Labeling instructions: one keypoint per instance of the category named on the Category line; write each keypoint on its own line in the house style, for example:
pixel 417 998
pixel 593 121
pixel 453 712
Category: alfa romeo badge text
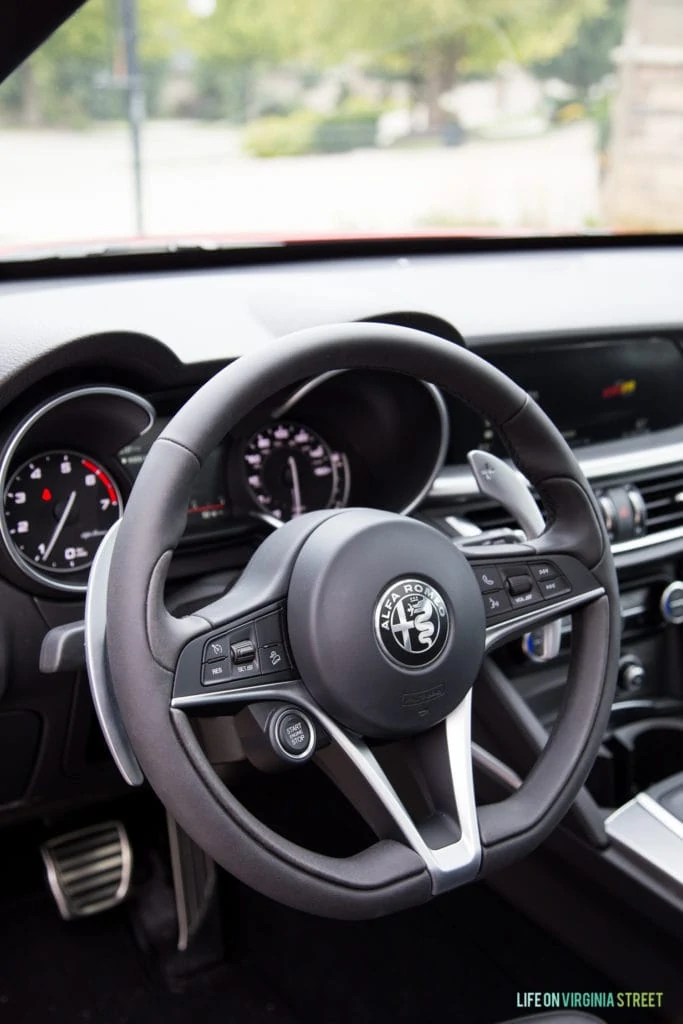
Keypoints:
pixel 411 623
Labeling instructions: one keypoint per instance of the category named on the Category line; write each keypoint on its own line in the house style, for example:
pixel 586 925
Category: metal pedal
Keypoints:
pixel 89 870
pixel 194 883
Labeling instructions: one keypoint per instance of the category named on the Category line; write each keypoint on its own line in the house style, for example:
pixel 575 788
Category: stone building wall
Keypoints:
pixel 643 184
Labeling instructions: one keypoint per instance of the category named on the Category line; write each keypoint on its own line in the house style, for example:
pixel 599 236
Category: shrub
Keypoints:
pixel 345 130
pixel 289 135
pixel 353 126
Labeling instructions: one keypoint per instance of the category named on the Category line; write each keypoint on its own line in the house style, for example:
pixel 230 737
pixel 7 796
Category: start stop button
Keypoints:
pixel 293 734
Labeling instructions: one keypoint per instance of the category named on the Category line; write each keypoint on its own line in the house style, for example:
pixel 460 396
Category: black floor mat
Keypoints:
pixel 462 959
pixel 90 972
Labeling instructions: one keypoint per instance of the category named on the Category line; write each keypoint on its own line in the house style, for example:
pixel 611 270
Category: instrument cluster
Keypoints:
pixel 61 483
pixel 289 469
pixel 366 438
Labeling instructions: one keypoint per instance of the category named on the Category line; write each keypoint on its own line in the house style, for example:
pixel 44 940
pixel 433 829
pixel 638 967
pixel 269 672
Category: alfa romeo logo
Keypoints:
pixel 411 623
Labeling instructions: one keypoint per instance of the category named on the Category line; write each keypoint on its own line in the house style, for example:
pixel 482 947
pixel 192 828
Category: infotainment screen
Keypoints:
pixel 593 391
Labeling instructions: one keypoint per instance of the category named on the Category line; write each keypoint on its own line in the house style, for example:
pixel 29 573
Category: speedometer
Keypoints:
pixel 57 508
pixel 290 469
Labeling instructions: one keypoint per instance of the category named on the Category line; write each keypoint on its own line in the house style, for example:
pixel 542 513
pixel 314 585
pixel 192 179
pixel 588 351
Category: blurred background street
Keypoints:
pixel 283 118
pixel 196 181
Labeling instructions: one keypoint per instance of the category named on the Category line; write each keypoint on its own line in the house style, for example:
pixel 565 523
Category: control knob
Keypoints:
pixel 671 603
pixel 631 674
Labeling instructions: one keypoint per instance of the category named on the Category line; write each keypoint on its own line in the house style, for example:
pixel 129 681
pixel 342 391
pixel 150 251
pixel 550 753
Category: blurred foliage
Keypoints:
pixel 431 42
pixel 586 65
pixel 600 110
pixel 289 135
pixel 353 126
pixel 588 59
pixel 567 113
pixel 66 79
pixel 80 72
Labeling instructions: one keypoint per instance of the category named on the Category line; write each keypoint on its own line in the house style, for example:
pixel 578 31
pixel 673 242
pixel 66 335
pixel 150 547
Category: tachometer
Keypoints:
pixel 290 470
pixel 57 508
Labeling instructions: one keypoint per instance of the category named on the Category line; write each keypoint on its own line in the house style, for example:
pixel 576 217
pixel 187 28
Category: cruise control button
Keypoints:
pixel 543 571
pixel 216 672
pixel 246 670
pixel 519 584
pixel 554 588
pixel 273 659
pixel 496 603
pixel 488 578
pixel 216 649
pixel 242 652
pixel 521 600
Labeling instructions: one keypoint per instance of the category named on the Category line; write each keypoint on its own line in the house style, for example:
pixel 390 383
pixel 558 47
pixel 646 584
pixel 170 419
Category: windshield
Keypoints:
pixel 281 119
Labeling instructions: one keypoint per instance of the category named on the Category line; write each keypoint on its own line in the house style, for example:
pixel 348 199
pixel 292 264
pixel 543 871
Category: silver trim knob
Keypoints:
pixel 609 514
pixel 632 678
pixel 670 613
pixel 637 502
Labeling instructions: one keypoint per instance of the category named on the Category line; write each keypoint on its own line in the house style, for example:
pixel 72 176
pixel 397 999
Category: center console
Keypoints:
pixel 649 827
pixel 619 403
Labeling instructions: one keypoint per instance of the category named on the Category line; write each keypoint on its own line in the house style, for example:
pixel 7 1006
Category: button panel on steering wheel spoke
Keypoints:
pixel 253 648
pixel 508 588
pixel 248 652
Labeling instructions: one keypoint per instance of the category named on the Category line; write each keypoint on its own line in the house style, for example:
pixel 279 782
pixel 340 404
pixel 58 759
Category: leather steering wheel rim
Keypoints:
pixel 144 643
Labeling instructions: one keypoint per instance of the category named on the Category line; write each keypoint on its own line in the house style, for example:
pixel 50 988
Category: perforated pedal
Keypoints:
pixel 89 870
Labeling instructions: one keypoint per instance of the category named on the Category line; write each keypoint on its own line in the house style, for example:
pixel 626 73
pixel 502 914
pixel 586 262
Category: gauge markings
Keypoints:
pixel 57 508
pixel 289 469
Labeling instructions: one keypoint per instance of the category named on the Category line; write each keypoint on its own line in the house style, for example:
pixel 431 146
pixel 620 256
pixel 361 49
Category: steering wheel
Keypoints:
pixel 351 625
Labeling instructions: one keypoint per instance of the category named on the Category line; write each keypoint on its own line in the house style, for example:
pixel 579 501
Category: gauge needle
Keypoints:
pixel 296 486
pixel 60 525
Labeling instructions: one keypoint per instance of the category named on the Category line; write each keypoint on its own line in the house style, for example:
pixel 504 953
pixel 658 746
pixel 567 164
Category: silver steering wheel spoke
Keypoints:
pixel 527 621
pixel 524 588
pixel 448 841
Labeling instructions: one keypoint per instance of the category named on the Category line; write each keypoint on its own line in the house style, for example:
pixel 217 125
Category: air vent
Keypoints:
pixel 488 515
pixel 661 491
pixel 663 497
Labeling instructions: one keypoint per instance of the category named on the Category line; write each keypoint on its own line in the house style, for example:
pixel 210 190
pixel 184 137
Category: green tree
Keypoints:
pixel 240 38
pixel 57 82
pixel 589 58
pixel 429 43
pixel 433 42
pixel 56 75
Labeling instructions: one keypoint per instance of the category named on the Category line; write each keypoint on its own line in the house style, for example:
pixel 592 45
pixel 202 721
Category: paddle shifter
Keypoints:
pixel 498 481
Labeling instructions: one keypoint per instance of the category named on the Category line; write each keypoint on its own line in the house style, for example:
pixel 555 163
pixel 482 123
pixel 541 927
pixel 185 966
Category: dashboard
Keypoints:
pixel 68 467
pixel 93 368
pixel 332 442
pixel 594 389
